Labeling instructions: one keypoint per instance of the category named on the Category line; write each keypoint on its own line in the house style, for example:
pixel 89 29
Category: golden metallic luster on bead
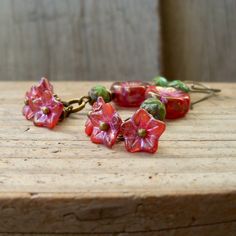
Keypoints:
pixel 142 133
pixel 104 126
pixel 26 102
pixel 45 110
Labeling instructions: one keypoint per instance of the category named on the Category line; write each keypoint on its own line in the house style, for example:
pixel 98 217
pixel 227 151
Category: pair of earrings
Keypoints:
pixel 158 101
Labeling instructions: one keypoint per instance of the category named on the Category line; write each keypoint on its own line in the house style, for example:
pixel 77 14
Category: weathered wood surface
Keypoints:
pixel 57 181
pixel 118 39
pixel 199 39
pixel 79 39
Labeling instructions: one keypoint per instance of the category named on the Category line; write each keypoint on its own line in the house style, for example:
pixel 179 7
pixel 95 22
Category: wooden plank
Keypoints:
pixel 60 149
pixel 79 40
pixel 199 39
pixel 203 230
pixel 98 214
pixel 75 186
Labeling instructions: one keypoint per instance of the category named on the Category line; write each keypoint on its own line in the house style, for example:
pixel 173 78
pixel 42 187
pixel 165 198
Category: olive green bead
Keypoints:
pixel 154 107
pixel 99 91
pixel 179 85
pixel 160 81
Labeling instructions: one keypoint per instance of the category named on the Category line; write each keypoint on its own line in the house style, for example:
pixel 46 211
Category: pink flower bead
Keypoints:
pixel 141 132
pixel 47 110
pixel 35 93
pixel 104 123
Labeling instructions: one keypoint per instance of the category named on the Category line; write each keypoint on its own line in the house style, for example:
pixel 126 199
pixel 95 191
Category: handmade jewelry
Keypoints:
pixel 155 102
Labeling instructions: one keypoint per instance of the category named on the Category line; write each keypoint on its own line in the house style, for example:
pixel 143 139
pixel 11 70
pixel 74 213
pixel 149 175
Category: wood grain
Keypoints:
pixel 199 39
pixel 79 40
pixel 118 39
pixel 57 181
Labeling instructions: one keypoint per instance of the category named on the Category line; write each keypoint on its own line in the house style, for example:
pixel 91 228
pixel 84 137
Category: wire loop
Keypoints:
pixel 197 87
pixel 69 107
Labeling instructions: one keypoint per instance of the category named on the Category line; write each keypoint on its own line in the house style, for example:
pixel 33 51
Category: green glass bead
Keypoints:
pixel 99 91
pixel 154 107
pixel 179 85
pixel 160 81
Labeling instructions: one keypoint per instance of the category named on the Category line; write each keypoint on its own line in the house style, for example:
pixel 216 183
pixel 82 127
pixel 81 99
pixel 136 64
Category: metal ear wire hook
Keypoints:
pixel 197 87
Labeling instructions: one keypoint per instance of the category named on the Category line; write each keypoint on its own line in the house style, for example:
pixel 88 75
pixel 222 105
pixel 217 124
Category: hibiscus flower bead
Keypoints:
pixel 141 132
pixel 128 94
pixel 177 102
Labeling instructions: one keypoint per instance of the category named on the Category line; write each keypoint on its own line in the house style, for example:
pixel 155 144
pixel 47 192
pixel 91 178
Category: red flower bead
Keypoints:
pixel 104 123
pixel 129 94
pixel 35 93
pixel 47 110
pixel 177 102
pixel 141 132
pixel 96 107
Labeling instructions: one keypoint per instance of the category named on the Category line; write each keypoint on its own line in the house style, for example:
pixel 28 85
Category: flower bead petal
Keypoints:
pixel 129 129
pixel 110 137
pixel 88 127
pixel 141 117
pixel 107 111
pixel 27 112
pixel 44 84
pixel 40 119
pixel 133 144
pixel 149 144
pixel 98 105
pixel 97 135
pixel 156 127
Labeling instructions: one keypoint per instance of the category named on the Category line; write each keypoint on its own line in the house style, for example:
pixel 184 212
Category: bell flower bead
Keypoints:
pixel 141 132
pixel 106 123
pixel 47 110
pixel 35 93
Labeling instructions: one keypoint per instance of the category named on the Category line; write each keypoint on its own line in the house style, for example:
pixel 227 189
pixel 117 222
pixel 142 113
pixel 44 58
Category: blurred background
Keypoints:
pixel 118 39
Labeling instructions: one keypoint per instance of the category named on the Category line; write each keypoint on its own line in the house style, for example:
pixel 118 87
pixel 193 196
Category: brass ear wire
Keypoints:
pixel 196 87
